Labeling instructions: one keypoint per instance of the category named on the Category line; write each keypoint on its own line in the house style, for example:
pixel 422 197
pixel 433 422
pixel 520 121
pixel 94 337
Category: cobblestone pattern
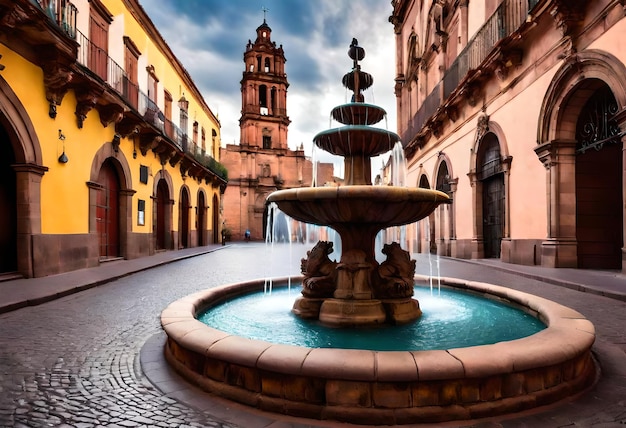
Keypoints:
pixel 73 362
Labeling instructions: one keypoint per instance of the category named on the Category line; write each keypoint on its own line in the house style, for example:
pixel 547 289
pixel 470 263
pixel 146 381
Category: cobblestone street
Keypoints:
pixel 74 361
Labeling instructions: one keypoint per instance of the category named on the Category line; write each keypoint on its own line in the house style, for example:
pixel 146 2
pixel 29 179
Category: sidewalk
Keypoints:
pixel 18 293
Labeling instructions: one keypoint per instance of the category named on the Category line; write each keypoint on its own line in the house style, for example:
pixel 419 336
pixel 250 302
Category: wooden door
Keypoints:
pixel 216 220
pixel 184 219
pixel 107 212
pixel 98 48
pixel 201 227
pixel 131 86
pixel 599 208
pixel 161 208
pixel 493 215
pixel 8 207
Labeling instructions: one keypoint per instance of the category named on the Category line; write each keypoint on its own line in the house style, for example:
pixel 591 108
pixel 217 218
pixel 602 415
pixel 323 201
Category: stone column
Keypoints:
pixel 560 248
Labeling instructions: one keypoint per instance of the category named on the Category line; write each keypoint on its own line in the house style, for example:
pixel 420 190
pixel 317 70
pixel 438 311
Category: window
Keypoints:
pixel 195 135
pixel 213 139
pixel 263 99
pixel 267 65
pixel 99 20
pixel 203 138
pixel 153 82
pixel 183 105
pixel 267 142
pixel 130 87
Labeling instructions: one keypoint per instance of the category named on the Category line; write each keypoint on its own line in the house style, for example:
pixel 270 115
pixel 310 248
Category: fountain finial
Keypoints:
pixel 357 80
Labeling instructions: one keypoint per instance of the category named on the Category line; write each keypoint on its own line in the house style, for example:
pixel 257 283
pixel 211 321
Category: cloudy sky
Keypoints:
pixel 210 36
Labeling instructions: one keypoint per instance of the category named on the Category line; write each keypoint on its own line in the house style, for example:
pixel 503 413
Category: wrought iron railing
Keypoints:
pixel 91 57
pixel 507 18
pixel 62 12
pixel 427 109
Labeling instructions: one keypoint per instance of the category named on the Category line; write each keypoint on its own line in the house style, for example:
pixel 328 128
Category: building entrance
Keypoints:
pixel 107 212
pixel 8 206
pixel 599 209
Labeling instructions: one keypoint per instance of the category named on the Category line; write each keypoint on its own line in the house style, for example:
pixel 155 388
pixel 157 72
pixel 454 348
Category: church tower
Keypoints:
pixel 264 119
pixel 262 162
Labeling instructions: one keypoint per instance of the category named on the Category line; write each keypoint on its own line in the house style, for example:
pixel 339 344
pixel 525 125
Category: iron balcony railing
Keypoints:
pixel 62 12
pixel 507 18
pixel 95 59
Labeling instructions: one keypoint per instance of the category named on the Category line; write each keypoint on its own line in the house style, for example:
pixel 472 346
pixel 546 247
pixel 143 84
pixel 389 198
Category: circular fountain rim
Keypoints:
pixel 382 193
pixel 543 368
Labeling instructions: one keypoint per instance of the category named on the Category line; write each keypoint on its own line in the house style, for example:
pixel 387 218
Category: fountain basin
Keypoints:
pixel 379 387
pixel 360 205
pixel 358 114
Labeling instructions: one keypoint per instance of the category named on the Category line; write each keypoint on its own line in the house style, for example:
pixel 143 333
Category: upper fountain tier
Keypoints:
pixel 357 141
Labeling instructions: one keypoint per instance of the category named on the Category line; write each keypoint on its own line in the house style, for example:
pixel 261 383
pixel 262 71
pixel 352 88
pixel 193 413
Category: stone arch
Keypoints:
pixel 580 76
pixel 489 132
pixel 28 169
pixel 120 163
pixel 590 64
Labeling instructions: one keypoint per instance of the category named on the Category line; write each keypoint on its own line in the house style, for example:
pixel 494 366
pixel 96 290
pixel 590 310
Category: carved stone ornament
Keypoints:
pixel 56 80
pixel 110 113
pixel 86 99
pixel 320 273
pixel 148 141
pixel 482 127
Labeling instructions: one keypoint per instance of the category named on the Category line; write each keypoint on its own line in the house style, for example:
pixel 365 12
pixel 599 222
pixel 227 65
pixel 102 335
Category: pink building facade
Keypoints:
pixel 516 109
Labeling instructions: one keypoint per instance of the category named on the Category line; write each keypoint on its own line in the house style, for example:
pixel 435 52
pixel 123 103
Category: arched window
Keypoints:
pixel 267 65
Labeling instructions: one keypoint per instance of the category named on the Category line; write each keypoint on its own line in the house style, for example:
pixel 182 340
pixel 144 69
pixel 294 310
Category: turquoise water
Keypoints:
pixel 453 319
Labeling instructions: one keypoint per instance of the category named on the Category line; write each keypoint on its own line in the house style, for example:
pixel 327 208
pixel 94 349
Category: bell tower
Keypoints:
pixel 264 121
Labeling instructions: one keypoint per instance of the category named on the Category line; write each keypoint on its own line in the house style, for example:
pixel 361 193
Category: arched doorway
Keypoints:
pixel 8 206
pixel 599 210
pixel 490 173
pixel 443 210
pixel 107 211
pixel 427 230
pixel 184 218
pixel 566 149
pixel 201 227
pixel 162 211
pixel 216 220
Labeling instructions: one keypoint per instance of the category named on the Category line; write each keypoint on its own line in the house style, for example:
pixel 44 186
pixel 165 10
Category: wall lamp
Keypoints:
pixel 63 158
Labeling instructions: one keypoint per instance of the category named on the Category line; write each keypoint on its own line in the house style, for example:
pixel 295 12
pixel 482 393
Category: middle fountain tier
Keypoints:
pixel 357 291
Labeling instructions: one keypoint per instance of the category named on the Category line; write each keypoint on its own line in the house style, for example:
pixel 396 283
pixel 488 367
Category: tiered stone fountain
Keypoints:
pixel 358 291
pixel 364 386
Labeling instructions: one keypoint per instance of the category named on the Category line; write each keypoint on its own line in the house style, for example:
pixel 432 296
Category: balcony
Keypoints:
pixel 61 12
pixel 508 18
pixel 40 30
pixel 44 32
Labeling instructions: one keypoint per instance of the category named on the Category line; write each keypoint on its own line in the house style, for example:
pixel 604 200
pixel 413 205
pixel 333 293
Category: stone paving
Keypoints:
pixel 74 361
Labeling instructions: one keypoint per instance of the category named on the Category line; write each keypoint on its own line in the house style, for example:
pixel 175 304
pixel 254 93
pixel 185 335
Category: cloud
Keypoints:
pixel 209 38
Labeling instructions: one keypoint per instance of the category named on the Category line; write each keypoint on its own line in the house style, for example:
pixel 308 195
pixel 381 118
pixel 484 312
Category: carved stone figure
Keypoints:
pixel 319 271
pixel 395 275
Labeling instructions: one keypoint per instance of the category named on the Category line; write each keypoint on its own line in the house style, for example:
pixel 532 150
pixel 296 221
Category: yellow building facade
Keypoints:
pixel 107 148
